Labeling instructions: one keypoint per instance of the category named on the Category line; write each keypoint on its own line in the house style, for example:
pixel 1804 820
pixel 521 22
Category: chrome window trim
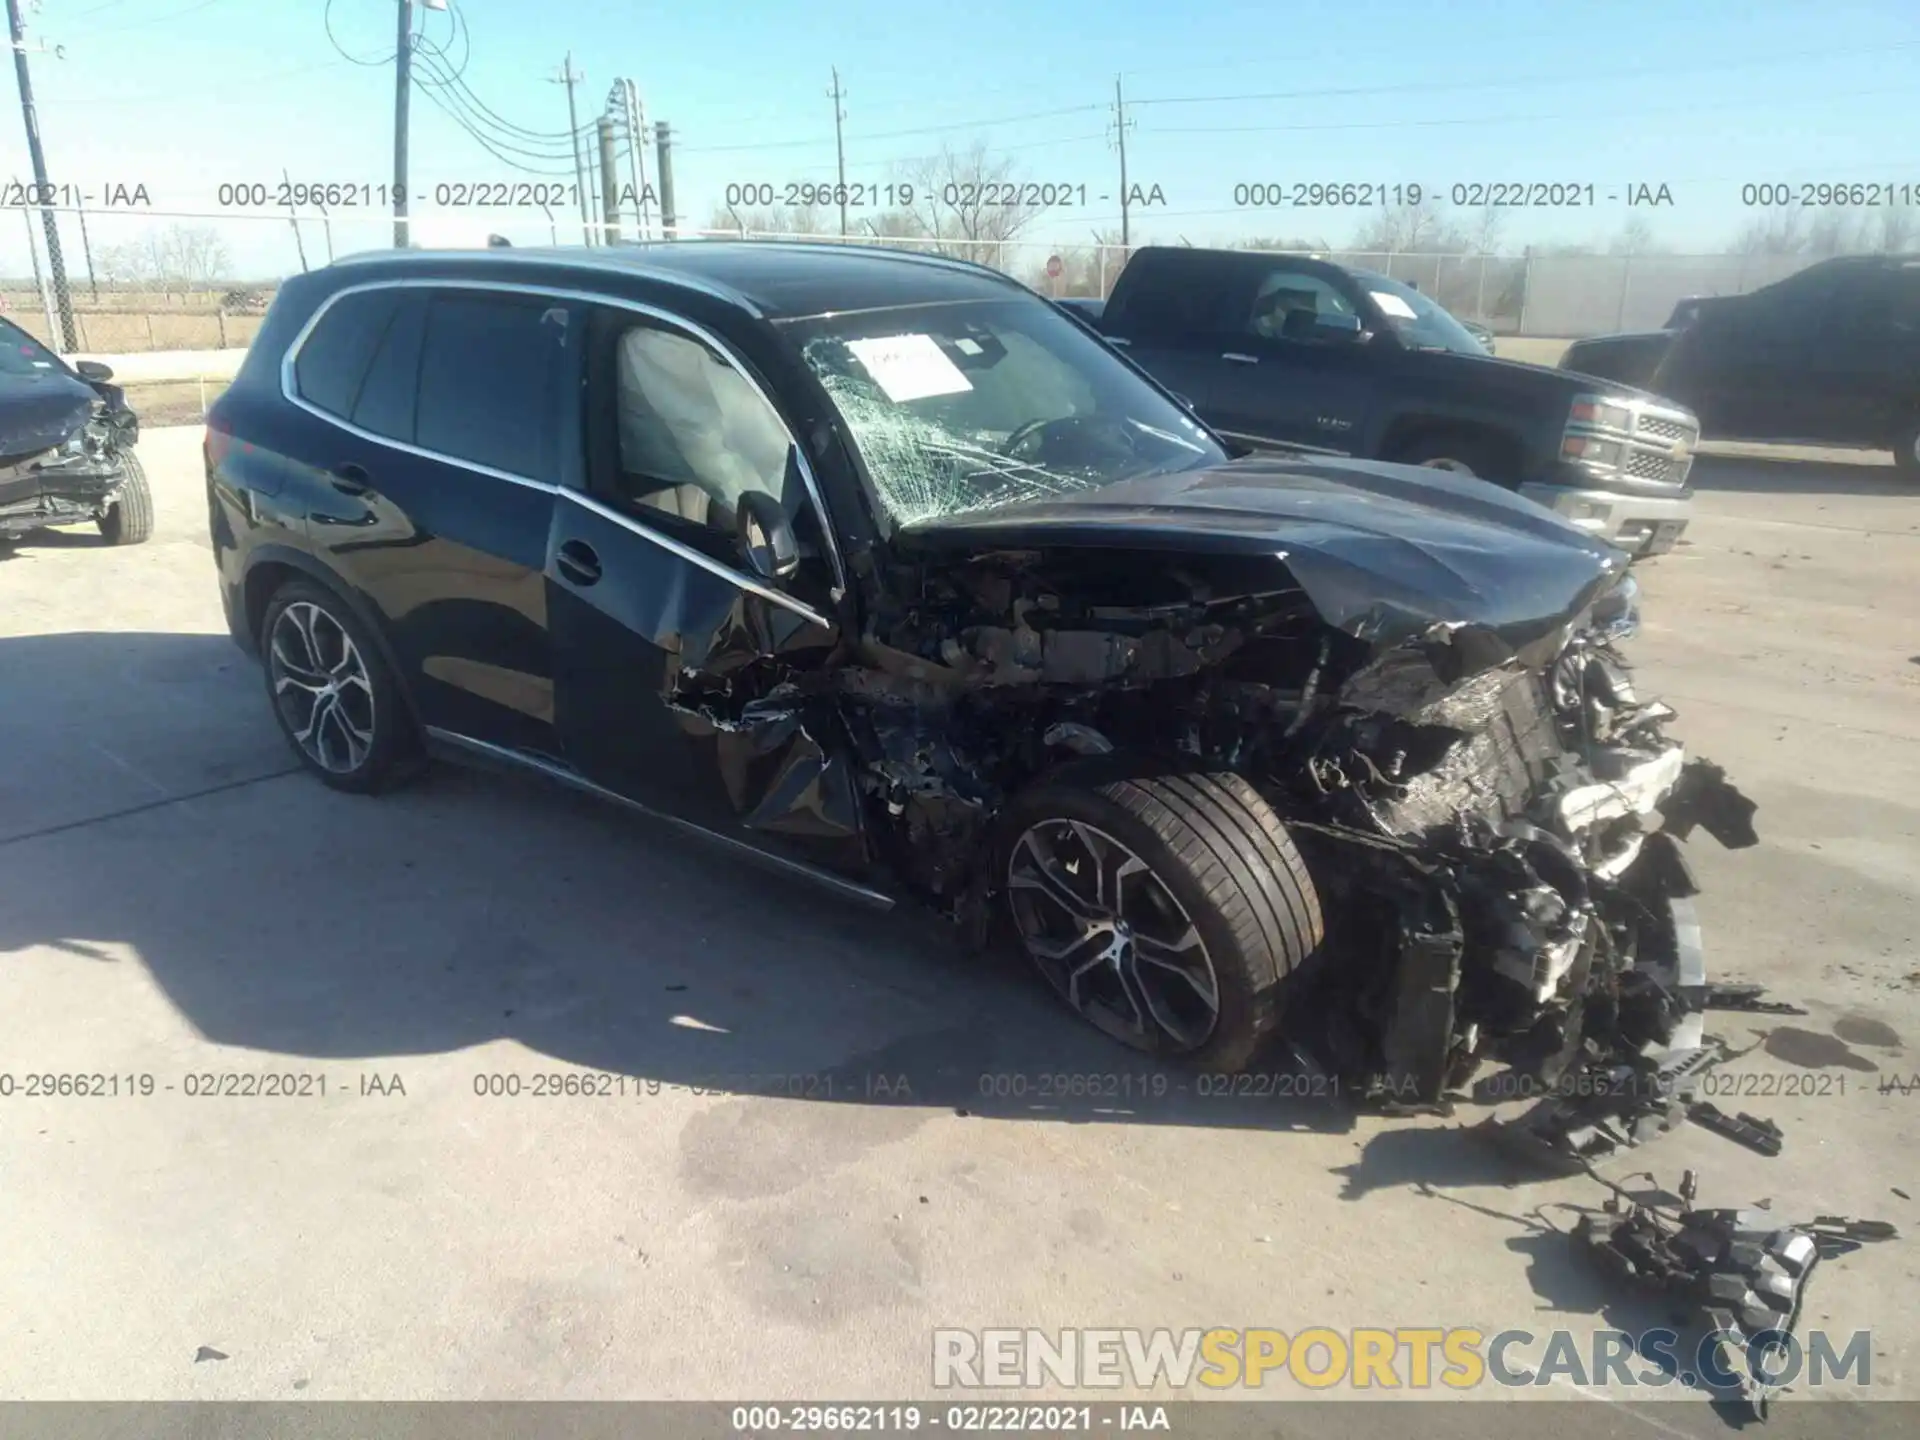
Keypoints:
pixel 290 391
pixel 681 279
pixel 695 557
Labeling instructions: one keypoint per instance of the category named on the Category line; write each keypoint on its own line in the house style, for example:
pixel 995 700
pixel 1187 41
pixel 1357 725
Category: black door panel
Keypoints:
pixel 665 675
pixel 1276 382
pixel 450 550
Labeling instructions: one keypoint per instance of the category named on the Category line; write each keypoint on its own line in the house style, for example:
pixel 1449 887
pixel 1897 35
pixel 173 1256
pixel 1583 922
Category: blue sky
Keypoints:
pixel 182 95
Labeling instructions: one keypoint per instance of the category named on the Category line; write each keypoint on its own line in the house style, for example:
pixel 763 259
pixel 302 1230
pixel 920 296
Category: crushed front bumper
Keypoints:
pixel 41 496
pixel 1638 524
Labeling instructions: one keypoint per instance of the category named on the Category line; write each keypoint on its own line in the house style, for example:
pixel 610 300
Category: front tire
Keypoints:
pixel 129 520
pixel 333 693
pixel 1169 910
pixel 1459 453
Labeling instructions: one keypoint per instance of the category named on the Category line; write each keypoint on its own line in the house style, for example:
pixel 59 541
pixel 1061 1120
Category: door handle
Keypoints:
pixel 351 479
pixel 577 562
pixel 1238 359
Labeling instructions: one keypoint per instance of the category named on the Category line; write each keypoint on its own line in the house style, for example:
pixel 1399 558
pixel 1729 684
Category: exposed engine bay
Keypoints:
pixel 1491 817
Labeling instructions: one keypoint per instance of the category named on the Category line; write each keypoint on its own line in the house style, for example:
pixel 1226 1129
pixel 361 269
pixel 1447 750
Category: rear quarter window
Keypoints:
pixel 332 362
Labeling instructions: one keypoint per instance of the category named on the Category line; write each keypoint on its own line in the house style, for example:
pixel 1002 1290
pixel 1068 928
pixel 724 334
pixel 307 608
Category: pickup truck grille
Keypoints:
pixel 1651 465
pixel 1662 427
pixel 1631 439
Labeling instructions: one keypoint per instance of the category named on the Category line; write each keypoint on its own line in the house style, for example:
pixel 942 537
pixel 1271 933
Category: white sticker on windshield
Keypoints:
pixel 1393 305
pixel 909 367
pixel 968 347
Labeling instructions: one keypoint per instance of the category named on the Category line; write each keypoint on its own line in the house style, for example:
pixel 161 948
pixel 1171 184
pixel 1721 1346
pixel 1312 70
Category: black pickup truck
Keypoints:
pixel 1828 356
pixel 1282 352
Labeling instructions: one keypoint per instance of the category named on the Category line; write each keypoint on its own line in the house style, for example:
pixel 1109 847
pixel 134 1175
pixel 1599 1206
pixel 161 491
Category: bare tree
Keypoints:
pixel 959 200
pixel 1896 229
pixel 773 220
pixel 1778 232
pixel 1484 230
pixel 183 257
pixel 1421 228
pixel 1635 238
pixel 1835 232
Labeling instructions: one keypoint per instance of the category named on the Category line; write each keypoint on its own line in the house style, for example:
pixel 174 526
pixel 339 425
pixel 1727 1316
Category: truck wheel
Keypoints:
pixel 1906 452
pixel 129 520
pixel 1461 453
pixel 1168 910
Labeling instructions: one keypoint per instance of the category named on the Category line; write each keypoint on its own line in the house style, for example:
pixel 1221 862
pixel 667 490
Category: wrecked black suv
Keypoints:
pixel 879 568
pixel 66 446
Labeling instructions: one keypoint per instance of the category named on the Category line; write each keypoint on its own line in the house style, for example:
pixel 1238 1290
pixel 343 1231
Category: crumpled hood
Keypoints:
pixel 1387 553
pixel 38 412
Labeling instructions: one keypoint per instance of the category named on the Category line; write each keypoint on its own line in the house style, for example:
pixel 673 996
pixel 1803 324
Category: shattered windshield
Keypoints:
pixel 969 406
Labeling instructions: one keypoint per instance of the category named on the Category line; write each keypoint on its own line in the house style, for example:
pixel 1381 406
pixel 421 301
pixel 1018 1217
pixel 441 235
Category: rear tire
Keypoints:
pixel 1169 910
pixel 333 693
pixel 129 520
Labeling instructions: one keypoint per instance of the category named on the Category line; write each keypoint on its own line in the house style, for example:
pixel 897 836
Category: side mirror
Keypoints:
pixel 1336 327
pixel 766 536
pixel 92 370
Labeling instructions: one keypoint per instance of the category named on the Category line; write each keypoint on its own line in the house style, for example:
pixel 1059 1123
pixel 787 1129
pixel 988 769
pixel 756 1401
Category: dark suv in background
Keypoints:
pixel 1828 356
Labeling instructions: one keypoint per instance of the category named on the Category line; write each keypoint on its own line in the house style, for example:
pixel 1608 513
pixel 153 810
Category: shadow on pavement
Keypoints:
pixel 1871 473
pixel 283 917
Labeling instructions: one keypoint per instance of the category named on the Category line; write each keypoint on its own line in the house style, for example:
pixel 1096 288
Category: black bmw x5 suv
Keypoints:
pixel 881 570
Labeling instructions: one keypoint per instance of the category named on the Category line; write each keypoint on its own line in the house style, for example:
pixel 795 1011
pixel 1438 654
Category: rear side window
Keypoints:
pixel 386 402
pixel 1178 294
pixel 333 361
pixel 490 367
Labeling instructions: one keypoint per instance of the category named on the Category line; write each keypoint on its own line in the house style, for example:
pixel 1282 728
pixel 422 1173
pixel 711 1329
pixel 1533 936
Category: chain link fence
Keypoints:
pixel 131 281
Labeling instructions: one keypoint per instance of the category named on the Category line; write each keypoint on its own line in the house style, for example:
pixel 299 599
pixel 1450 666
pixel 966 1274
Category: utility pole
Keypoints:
pixel 668 220
pixel 86 250
pixel 42 189
pixel 569 78
pixel 1120 134
pixel 402 105
pixel 840 148
pixel 609 183
pixel 627 98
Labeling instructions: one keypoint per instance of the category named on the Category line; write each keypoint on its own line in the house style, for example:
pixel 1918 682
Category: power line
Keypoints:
pixel 487 115
pixel 484 142
pixel 904 134
pixel 176 15
pixel 326 23
pixel 461 99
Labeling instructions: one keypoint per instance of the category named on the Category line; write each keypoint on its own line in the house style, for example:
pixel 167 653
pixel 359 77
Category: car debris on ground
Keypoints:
pixel 1745 1270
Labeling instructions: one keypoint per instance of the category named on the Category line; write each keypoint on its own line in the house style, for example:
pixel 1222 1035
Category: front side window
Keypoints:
pixel 1289 303
pixel 490 366
pixel 969 406
pixel 694 434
